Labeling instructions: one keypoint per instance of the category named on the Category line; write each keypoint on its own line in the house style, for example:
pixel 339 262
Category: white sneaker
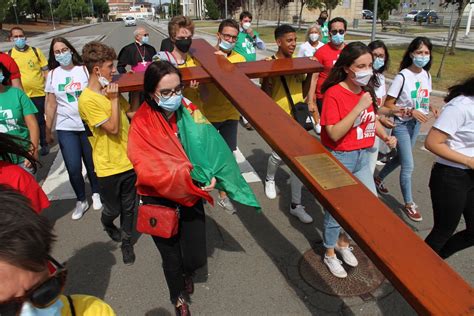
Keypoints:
pixel 227 205
pixel 270 190
pixel 335 266
pixel 96 202
pixel 347 255
pixel 299 212
pixel 81 208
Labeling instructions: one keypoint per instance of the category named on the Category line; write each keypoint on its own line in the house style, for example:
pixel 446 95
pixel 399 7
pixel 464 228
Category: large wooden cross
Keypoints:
pixel 426 282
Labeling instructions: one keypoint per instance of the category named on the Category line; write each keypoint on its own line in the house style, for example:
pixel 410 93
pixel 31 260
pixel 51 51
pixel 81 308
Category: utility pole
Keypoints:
pixel 469 18
pixel 374 20
pixel 225 15
pixel 70 10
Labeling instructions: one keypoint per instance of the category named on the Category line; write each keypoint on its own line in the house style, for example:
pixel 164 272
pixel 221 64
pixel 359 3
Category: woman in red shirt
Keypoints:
pixel 349 126
pixel 16 177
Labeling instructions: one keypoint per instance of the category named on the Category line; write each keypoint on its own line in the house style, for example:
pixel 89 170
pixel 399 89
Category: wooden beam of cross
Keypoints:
pixel 426 282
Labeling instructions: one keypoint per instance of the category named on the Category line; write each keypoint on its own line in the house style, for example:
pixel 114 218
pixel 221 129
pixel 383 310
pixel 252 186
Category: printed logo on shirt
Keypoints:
pixel 73 89
pixel 420 98
pixel 8 122
pixel 365 117
pixel 248 46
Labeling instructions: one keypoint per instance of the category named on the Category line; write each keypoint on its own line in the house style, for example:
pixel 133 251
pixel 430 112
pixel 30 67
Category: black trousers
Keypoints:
pixel 452 195
pixel 184 253
pixel 120 199
pixel 39 103
pixel 228 131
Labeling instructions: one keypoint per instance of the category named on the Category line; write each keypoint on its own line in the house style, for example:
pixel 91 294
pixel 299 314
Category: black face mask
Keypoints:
pixel 183 44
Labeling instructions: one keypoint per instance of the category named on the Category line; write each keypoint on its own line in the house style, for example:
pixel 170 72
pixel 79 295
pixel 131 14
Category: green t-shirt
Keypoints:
pixel 246 46
pixel 325 33
pixel 14 106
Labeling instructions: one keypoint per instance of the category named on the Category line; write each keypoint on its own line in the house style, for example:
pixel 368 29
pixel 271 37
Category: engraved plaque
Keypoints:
pixel 327 173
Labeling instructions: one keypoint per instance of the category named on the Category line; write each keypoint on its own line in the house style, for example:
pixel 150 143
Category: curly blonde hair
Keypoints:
pixel 96 53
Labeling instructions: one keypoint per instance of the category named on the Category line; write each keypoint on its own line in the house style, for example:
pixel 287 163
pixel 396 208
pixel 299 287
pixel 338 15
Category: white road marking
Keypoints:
pixel 248 172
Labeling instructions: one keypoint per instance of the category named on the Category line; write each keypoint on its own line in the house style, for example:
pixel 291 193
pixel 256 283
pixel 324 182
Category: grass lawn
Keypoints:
pixel 206 23
pixel 456 68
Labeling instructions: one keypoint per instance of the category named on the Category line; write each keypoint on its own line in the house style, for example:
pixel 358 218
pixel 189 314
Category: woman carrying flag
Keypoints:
pixel 179 157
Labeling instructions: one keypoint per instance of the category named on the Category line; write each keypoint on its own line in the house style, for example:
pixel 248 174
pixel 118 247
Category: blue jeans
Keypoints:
pixel 357 161
pixel 39 103
pixel 406 134
pixel 75 148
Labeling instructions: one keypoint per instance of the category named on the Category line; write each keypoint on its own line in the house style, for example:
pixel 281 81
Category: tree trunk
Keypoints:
pixel 456 26
pixel 462 7
pixel 279 14
pixel 301 13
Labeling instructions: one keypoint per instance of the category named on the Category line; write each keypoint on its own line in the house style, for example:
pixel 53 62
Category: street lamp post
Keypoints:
pixel 14 9
pixel 469 18
pixel 225 15
pixel 374 21
pixel 52 16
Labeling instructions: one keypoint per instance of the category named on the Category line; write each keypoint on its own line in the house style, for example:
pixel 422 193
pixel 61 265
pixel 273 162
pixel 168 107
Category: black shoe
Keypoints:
pixel 183 308
pixel 128 254
pixel 114 233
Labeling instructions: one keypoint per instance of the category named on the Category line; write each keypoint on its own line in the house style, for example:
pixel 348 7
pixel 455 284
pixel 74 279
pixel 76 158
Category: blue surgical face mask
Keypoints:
pixel 170 104
pixel 64 59
pixel 20 42
pixel 226 46
pixel 378 63
pixel 52 310
pixel 421 61
pixel 145 39
pixel 2 77
pixel 337 39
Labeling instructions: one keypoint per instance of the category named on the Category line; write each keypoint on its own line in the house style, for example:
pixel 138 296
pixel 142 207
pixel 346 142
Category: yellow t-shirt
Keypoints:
pixel 30 69
pixel 216 107
pixel 190 93
pixel 109 152
pixel 295 85
pixel 86 305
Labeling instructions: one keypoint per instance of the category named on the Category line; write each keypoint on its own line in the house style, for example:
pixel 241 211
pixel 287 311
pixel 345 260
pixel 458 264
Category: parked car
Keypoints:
pixel 367 14
pixel 130 21
pixel 118 19
pixel 427 16
pixel 410 16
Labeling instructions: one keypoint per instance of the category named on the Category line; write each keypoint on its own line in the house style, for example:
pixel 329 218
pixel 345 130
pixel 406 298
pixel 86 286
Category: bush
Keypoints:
pixel 212 9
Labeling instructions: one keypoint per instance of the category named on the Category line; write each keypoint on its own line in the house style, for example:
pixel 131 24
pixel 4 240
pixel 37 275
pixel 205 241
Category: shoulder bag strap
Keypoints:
pixel 401 88
pixel 288 95
pixel 71 305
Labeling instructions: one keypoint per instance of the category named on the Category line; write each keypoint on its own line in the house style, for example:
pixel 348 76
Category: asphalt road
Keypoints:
pixel 252 258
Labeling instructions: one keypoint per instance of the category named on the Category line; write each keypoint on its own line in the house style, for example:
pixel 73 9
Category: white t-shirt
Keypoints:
pixel 416 91
pixel 381 91
pixel 67 86
pixel 307 50
pixel 457 120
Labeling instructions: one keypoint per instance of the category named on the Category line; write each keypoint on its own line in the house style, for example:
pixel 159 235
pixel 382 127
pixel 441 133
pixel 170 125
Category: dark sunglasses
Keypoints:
pixel 334 32
pixel 40 296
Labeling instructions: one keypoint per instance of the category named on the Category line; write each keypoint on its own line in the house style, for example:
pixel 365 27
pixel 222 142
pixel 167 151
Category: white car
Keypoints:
pixel 130 21
pixel 411 15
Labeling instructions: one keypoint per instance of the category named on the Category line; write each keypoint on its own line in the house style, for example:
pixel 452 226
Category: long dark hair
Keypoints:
pixel 348 55
pixel 153 75
pixel 52 63
pixel 380 44
pixel 465 88
pixel 414 45
pixel 12 145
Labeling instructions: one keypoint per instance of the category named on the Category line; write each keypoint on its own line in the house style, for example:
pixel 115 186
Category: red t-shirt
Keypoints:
pixel 20 180
pixel 11 66
pixel 326 56
pixel 337 103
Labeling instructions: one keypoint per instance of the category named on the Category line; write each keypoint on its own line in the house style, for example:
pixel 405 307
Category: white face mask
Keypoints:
pixel 104 82
pixel 313 37
pixel 362 78
pixel 246 25
pixel 53 310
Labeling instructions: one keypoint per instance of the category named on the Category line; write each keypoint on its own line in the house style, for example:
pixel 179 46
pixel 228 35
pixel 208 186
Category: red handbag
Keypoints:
pixel 157 220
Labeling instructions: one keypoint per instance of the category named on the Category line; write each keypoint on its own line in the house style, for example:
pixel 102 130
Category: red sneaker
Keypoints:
pixel 380 186
pixel 412 213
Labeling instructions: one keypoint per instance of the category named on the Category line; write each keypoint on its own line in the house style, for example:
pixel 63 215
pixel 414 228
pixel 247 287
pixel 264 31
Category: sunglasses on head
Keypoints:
pixel 40 296
pixel 334 32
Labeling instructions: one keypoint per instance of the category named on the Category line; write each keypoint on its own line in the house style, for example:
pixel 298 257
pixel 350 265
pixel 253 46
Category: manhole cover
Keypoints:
pixel 360 280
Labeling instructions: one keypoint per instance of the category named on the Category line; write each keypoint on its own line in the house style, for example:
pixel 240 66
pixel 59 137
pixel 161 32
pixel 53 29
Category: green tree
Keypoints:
pixel 460 5
pixel 101 8
pixel 310 4
pixel 331 5
pixel 212 9
pixel 281 5
pixel 259 4
pixel 384 8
